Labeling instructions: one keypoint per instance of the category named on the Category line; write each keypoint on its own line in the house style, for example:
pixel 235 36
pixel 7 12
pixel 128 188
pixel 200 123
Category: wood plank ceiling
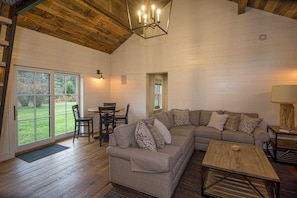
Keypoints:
pixel 103 24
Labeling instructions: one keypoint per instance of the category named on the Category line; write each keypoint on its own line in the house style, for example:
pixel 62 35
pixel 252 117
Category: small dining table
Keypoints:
pixel 96 110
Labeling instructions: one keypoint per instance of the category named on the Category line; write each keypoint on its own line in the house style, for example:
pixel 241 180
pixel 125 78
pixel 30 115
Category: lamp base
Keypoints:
pixel 287 121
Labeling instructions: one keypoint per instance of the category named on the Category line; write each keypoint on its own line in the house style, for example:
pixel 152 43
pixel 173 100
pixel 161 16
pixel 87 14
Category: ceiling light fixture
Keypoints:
pixel 100 75
pixel 150 18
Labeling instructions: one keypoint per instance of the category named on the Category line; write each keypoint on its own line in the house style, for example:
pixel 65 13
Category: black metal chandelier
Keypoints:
pixel 149 18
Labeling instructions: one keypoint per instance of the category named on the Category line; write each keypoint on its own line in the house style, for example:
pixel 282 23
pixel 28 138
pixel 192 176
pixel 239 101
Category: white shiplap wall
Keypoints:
pixel 33 49
pixel 214 60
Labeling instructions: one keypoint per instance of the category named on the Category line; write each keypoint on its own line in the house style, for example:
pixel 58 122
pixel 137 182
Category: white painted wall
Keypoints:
pixel 39 50
pixel 214 60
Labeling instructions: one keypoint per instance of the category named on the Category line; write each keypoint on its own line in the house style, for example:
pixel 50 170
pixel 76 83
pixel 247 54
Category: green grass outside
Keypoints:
pixel 64 122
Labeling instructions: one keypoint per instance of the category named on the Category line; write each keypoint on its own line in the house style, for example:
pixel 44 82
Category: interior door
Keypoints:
pixel 33 108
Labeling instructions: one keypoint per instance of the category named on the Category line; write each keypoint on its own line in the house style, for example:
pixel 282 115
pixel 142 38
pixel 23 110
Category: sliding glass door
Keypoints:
pixel 43 107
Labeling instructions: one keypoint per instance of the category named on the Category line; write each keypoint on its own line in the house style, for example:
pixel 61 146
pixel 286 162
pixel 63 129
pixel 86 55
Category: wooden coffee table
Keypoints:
pixel 243 173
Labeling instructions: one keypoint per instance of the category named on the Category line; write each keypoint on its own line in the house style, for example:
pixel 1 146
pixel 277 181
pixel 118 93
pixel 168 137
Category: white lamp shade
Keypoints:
pixel 285 94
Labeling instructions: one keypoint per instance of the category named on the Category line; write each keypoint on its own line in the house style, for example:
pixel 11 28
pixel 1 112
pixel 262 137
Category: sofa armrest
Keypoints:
pixel 150 162
pixel 142 160
pixel 261 134
pixel 116 151
pixel 112 140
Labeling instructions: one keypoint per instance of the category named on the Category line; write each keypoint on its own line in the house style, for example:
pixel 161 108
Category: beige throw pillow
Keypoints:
pixel 232 123
pixel 248 124
pixel 159 140
pixel 217 121
pixel 181 117
pixel 144 137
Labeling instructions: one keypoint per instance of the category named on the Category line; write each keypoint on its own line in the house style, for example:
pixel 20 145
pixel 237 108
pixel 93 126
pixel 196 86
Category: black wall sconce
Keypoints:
pixel 100 75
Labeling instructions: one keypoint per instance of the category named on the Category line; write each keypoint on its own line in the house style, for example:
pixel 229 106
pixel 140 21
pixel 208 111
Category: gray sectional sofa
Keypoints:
pixel 158 173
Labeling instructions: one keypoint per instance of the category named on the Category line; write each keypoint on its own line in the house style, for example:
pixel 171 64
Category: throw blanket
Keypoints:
pixel 149 161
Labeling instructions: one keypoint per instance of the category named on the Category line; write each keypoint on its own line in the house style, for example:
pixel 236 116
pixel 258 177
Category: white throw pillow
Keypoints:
pixel 163 130
pixel 144 137
pixel 217 121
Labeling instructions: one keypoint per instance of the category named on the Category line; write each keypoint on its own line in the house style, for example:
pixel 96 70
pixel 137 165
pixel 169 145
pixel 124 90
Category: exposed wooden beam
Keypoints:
pixel 241 6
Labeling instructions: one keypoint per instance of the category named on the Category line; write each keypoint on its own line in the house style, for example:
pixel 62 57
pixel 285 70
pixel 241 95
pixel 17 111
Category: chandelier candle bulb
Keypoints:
pixel 145 19
pixel 158 15
pixel 139 16
pixel 153 11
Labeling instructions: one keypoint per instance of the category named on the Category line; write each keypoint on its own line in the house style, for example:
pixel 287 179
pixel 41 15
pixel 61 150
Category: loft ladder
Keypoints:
pixel 8 20
pixel 7 32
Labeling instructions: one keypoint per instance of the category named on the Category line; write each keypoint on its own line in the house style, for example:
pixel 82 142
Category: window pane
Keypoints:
pixel 25 82
pixel 26 133
pixel 60 124
pixel 42 84
pixel 27 111
pixel 59 84
pixel 42 107
pixel 42 129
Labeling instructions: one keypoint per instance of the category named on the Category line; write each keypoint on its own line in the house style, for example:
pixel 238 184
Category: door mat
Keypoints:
pixel 41 153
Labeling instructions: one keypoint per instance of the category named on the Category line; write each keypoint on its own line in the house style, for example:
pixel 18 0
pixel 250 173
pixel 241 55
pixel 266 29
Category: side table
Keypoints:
pixel 282 146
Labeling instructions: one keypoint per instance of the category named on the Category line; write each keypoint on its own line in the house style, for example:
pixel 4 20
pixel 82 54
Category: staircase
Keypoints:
pixel 7 31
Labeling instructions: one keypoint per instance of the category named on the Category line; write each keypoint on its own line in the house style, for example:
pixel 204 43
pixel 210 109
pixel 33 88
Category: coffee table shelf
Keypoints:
pixel 233 186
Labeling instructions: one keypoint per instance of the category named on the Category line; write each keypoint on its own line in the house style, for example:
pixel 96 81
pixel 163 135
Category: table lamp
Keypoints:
pixel 286 95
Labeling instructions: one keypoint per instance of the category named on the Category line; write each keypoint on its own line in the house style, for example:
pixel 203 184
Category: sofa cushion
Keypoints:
pixel 205 117
pixel 181 117
pixel 208 132
pixel 232 123
pixel 217 121
pixel 144 137
pixel 182 141
pixel 163 130
pixel 183 130
pixel 237 136
pixel 175 152
pixel 159 140
pixel 163 117
pixel 194 117
pixel 125 135
pixel 248 124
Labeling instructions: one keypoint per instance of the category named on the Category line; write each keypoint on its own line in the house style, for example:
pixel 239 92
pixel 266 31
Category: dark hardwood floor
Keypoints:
pixel 82 171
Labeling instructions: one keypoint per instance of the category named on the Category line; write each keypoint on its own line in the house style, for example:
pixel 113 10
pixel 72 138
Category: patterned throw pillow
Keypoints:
pixel 232 123
pixel 181 117
pixel 248 124
pixel 144 137
pixel 163 130
pixel 159 140
pixel 217 121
